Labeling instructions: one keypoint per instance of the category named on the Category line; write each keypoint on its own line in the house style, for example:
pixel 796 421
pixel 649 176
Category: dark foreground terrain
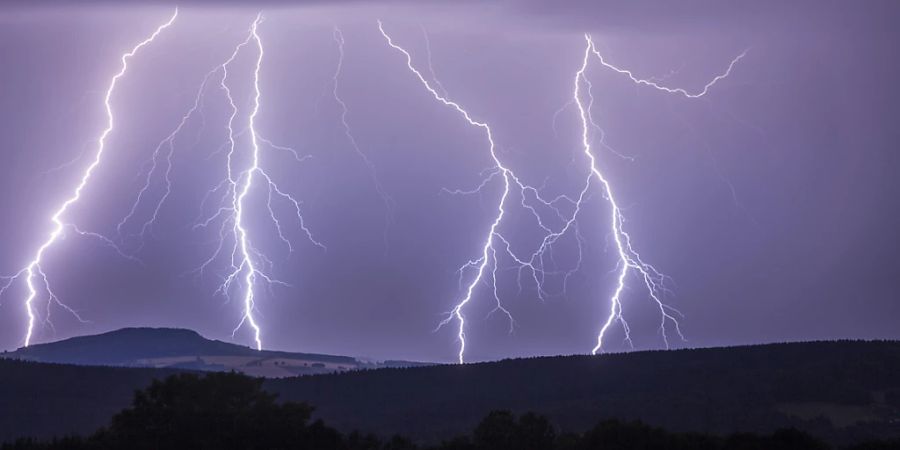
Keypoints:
pixel 840 392
pixel 225 411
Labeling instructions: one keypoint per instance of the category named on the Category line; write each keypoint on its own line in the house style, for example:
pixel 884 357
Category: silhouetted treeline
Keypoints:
pixel 841 392
pixel 231 411
pixel 41 399
pixel 717 390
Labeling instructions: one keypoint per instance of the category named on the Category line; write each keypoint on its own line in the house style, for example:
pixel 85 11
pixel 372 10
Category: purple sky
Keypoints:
pixel 772 203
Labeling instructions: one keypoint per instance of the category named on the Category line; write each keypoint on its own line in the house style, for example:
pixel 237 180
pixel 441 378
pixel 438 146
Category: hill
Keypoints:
pixel 841 391
pixel 185 349
pixel 45 400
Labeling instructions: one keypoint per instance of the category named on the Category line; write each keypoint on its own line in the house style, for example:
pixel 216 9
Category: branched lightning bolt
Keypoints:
pixel 496 242
pixel 168 145
pixel 247 265
pixel 629 259
pixel 34 273
pixel 535 262
pixel 487 251
pixel 649 82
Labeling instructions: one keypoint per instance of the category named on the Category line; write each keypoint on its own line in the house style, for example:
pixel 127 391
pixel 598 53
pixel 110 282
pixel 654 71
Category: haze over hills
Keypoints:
pixel 186 349
pixel 842 391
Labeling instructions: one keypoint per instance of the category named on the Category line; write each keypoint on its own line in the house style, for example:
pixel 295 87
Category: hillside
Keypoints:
pixel 185 349
pixel 40 399
pixel 836 390
pixel 841 391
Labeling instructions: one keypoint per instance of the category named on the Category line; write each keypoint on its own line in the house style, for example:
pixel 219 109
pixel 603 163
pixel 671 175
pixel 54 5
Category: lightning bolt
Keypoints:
pixel 496 244
pixel 648 82
pixel 485 266
pixel 487 251
pixel 246 261
pixel 167 147
pixel 34 273
pixel 629 258
pixel 248 266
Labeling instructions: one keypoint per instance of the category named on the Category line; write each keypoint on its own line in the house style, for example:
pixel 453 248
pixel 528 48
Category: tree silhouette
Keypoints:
pixel 226 411
pixel 214 411
pixel 501 431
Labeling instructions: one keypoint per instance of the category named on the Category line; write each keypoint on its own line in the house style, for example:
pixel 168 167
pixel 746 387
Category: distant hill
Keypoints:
pixel 186 349
pixel 843 391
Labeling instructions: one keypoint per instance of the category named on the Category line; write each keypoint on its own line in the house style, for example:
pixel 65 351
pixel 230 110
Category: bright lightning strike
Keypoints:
pixel 487 252
pixel 495 243
pixel 629 259
pixel 247 265
pixel 532 200
pixel 647 82
pixel 34 273
pixel 246 261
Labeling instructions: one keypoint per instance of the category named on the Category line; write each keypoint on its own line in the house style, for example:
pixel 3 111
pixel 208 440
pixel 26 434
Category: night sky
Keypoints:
pixel 772 203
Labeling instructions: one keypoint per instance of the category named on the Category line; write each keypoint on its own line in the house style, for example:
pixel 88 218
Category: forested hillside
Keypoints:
pixel 839 391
